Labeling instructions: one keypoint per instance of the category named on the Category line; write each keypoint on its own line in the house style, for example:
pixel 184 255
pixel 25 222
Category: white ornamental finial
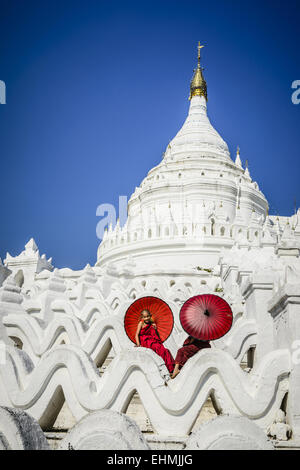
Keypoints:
pixel 31 245
pixel 238 159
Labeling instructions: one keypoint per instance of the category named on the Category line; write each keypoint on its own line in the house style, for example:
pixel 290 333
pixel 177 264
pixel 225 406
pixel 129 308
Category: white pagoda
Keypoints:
pixel 194 204
pixel 197 224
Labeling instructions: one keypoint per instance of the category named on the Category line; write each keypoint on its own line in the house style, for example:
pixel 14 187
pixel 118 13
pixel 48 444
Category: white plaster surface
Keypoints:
pixel 105 430
pixel 228 433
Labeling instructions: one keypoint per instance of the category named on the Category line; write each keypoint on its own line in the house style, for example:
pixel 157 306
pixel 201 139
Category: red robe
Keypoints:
pixel 149 339
pixel 189 348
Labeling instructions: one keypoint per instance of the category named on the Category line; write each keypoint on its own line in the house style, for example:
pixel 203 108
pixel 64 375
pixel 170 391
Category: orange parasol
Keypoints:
pixel 161 313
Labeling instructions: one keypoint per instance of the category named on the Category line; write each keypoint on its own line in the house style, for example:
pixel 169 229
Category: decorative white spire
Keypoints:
pixel 288 233
pixel 238 159
pixel 247 174
pixel 31 245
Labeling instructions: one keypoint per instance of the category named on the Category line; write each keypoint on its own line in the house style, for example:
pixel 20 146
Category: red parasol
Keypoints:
pixel 206 317
pixel 161 314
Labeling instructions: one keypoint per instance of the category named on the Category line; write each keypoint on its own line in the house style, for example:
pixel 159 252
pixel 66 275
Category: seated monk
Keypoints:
pixel 148 337
pixel 190 347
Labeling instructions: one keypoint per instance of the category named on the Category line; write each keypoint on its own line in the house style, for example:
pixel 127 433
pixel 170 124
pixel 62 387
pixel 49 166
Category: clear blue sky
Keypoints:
pixel 96 89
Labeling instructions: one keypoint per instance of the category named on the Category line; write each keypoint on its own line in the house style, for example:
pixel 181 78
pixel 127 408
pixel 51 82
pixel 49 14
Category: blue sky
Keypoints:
pixel 95 91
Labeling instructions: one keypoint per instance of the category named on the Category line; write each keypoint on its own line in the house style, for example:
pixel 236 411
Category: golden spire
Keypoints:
pixel 198 84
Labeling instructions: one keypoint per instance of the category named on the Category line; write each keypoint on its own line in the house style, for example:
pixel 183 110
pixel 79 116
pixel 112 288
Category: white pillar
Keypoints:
pixel 285 310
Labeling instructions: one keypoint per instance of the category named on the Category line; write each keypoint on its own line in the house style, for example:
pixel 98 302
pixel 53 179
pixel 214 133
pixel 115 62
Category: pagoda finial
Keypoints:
pixel 199 53
pixel 198 84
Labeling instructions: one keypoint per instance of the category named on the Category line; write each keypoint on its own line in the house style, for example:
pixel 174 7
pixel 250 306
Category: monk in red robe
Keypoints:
pixel 190 347
pixel 147 336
